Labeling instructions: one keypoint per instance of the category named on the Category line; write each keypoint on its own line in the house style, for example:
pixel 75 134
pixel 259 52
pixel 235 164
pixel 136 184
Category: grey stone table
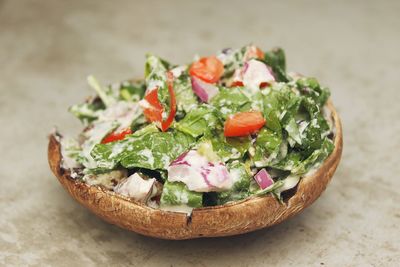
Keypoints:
pixel 48 47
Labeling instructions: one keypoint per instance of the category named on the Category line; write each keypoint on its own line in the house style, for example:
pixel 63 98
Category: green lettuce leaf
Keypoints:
pixel 198 121
pixel 310 87
pixel 317 156
pixel 186 100
pixel 230 101
pixel 132 90
pixel 266 147
pixel 177 193
pixel 150 150
pixel 275 58
pixel 106 94
pixel 86 112
pixel 228 148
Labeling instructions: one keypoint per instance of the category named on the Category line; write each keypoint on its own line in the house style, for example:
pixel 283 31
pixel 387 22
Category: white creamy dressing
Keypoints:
pixel 67 147
pixel 289 183
pixel 94 136
pixel 123 112
pixel 118 117
pixel 225 110
pixel 147 154
pixel 117 149
pixel 154 84
pixel 236 175
pixel 177 71
pixel 136 187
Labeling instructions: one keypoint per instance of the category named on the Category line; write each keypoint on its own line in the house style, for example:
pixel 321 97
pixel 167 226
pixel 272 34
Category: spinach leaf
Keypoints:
pixel 281 100
pixel 316 156
pixel 230 101
pixel 156 151
pixel 266 147
pixel 106 94
pixel 151 150
pixel 198 121
pixel 186 100
pixel 241 175
pixel 232 59
pixel 276 60
pixel 310 87
pixel 228 148
pixel 177 193
pixel 86 112
pixel 276 57
pixel 132 90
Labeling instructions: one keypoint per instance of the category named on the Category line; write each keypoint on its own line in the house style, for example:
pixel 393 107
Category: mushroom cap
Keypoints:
pixel 233 218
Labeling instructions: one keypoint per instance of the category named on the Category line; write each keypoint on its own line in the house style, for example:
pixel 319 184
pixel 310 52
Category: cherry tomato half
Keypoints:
pixel 208 69
pixel 243 123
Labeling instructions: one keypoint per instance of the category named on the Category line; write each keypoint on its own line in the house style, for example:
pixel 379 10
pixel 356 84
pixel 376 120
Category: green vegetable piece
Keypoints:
pixel 310 87
pixel 198 121
pixel 151 150
pixel 266 147
pixel 132 90
pixel 276 60
pixel 241 175
pixel 106 94
pixel 228 148
pixel 276 57
pixel 234 61
pixel 228 196
pixel 177 193
pixel 271 189
pixel 186 100
pixel 85 112
pixel 230 101
pixel 281 105
pixel 316 157
pixel 294 133
pixel 291 161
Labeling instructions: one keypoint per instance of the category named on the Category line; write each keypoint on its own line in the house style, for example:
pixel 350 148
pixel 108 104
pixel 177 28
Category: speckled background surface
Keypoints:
pixel 48 47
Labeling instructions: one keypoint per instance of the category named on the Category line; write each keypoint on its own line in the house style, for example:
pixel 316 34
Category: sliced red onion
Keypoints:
pixel 263 179
pixel 199 174
pixel 180 160
pixel 256 73
pixel 136 187
pixel 205 91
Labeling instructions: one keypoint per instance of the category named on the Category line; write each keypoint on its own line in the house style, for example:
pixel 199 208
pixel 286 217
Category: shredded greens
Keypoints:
pixel 295 138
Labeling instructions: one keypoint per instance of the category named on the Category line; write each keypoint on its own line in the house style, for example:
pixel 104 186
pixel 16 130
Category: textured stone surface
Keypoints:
pixel 47 49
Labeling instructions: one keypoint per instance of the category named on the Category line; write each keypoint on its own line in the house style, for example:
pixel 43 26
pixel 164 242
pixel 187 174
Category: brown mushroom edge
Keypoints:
pixel 230 219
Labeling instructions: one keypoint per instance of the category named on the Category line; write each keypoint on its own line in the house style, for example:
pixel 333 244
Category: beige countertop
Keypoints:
pixel 48 48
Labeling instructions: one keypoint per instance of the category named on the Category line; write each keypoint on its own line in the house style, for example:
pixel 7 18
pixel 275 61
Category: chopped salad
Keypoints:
pixel 219 129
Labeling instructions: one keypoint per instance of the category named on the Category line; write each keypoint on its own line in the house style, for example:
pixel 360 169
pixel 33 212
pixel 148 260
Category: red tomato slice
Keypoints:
pixel 170 81
pixel 154 111
pixel 208 69
pixel 115 136
pixel 254 52
pixel 243 123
